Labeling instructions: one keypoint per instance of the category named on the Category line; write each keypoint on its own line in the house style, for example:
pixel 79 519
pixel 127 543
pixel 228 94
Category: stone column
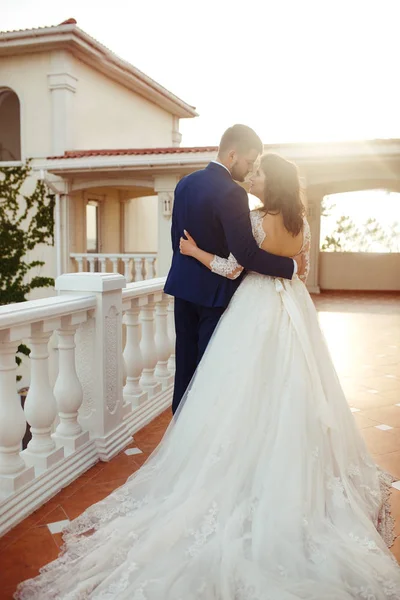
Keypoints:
pixel 314 199
pixel 63 87
pixel 176 135
pixel 164 185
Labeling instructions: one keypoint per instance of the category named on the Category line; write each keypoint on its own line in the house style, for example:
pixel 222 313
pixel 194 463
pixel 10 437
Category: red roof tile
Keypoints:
pixel 41 27
pixel 134 152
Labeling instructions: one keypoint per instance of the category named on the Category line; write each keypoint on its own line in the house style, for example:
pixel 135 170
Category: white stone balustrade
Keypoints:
pixel 40 406
pixel 92 413
pixel 135 266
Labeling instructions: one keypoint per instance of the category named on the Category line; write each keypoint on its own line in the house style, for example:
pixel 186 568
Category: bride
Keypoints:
pixel 262 488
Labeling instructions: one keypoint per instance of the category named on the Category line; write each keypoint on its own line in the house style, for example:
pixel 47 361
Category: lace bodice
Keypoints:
pixel 229 267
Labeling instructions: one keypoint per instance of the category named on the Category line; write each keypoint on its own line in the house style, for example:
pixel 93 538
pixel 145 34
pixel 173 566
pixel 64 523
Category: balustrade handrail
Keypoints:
pixel 143 288
pixel 31 311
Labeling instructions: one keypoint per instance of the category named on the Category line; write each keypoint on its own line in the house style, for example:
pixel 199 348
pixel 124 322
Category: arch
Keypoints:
pixel 10 126
pixel 141 187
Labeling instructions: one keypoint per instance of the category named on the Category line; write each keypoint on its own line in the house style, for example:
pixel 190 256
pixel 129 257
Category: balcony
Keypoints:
pixel 362 331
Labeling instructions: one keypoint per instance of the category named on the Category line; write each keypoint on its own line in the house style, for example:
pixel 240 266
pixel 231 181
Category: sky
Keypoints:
pixel 295 70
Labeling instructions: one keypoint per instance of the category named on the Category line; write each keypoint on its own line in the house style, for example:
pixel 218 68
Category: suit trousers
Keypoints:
pixel 194 325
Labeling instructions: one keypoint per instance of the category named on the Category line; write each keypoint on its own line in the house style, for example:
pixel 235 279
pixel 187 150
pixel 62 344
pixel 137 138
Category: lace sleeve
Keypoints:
pixel 227 267
pixel 305 251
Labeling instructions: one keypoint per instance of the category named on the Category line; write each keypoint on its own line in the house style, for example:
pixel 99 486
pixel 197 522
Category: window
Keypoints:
pixel 92 227
pixel 10 126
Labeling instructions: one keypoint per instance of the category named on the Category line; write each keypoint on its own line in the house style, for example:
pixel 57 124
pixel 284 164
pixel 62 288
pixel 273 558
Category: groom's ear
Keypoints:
pixel 232 154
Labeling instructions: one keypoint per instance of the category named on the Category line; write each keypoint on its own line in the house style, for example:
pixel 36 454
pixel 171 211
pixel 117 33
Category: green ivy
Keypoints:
pixel 25 222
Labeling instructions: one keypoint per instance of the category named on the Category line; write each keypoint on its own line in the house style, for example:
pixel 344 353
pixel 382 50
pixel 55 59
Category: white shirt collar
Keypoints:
pixel 221 165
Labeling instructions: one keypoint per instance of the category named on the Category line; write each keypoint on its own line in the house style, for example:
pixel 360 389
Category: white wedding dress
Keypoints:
pixel 261 490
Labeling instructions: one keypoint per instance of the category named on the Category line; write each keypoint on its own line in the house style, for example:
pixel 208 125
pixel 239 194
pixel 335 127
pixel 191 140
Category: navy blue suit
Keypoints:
pixel 215 211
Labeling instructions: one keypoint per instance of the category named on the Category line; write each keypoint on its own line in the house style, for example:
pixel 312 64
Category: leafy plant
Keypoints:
pixel 25 222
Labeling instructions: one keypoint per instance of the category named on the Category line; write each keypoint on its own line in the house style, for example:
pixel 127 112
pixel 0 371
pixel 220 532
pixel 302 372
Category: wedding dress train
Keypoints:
pixel 262 489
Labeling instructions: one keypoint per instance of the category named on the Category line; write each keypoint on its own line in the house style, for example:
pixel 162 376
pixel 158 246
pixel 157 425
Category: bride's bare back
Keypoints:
pixel 278 240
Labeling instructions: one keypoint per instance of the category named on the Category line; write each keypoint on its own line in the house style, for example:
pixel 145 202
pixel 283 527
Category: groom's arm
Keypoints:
pixel 235 218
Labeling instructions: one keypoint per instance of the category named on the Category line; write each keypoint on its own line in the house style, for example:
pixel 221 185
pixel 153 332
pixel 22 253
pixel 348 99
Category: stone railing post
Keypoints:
pixel 106 421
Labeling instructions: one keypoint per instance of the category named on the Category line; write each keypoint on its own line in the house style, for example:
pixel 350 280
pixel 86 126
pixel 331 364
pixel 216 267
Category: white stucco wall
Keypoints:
pixel 108 115
pixel 359 271
pixel 27 76
pixel 142 225
pixel 102 112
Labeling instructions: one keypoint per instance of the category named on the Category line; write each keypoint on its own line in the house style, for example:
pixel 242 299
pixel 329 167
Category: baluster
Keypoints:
pixel 163 343
pixel 114 261
pixel 148 348
pixel 13 471
pixel 68 390
pixel 40 404
pixel 171 334
pixel 150 268
pixel 79 260
pixel 91 261
pixel 127 269
pixel 138 269
pixel 133 359
pixel 103 264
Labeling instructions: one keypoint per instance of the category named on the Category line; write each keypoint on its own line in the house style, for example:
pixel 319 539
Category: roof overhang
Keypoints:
pixel 185 160
pixel 156 163
pixel 84 47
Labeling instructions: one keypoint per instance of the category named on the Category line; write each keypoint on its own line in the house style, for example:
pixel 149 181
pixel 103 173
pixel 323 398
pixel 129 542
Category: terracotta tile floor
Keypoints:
pixel 363 334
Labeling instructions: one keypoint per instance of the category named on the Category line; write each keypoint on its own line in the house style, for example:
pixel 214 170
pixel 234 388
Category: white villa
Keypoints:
pixel 105 137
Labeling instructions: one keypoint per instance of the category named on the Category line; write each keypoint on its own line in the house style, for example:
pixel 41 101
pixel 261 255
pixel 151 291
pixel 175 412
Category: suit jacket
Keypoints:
pixel 215 211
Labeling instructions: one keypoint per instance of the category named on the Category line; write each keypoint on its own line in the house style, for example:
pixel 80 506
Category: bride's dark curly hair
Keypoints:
pixel 282 191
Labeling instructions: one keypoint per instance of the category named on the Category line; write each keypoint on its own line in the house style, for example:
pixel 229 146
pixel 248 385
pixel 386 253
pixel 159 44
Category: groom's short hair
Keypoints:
pixel 242 138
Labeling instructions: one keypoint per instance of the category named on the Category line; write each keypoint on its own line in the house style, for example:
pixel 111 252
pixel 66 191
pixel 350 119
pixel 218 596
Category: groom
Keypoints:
pixel 215 211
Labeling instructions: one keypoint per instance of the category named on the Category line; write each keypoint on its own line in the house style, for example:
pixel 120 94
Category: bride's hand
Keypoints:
pixel 299 258
pixel 188 246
